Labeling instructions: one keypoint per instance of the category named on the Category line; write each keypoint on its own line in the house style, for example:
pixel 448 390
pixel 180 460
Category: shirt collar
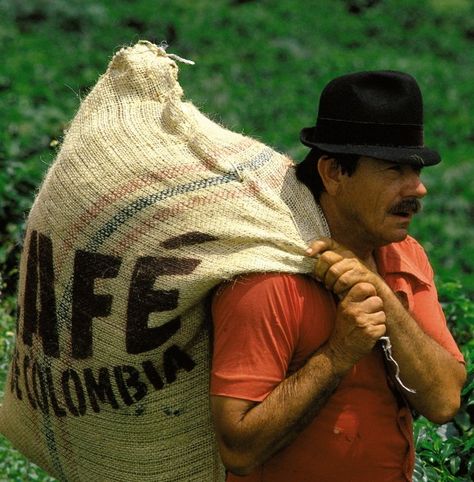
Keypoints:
pixel 394 259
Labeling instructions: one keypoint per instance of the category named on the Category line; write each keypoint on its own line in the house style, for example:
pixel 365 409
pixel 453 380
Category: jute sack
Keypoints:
pixel 148 206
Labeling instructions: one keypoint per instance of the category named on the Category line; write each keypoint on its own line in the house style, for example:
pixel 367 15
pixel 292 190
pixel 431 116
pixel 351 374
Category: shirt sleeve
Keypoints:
pixel 423 299
pixel 429 314
pixel 256 330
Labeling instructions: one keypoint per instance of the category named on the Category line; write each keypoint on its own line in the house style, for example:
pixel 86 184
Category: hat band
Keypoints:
pixel 332 131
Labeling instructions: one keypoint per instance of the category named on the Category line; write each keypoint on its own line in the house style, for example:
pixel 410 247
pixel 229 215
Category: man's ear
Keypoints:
pixel 330 173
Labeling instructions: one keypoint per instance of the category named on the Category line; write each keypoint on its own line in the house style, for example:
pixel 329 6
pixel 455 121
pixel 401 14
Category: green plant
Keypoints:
pixel 445 452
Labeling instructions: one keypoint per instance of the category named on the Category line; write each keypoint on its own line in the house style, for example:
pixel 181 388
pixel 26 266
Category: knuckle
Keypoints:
pixel 360 321
pixel 333 270
pixel 326 257
pixel 365 288
pixel 345 277
pixel 343 281
pixel 376 331
pixel 376 301
pixel 353 263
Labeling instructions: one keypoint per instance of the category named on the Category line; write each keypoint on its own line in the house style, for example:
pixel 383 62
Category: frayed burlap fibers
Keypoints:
pixel 148 206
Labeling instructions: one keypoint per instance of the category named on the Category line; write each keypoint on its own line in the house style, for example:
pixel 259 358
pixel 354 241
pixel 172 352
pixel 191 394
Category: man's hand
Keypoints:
pixel 360 322
pixel 424 364
pixel 339 269
pixel 361 319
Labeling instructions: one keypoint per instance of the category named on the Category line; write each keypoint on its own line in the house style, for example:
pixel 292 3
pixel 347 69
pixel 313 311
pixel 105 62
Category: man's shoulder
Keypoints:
pixel 267 287
pixel 268 281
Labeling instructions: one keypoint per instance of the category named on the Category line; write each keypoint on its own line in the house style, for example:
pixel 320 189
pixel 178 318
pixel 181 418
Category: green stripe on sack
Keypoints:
pixel 142 203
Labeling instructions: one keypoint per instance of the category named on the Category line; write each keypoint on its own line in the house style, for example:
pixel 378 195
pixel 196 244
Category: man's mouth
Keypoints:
pixel 402 214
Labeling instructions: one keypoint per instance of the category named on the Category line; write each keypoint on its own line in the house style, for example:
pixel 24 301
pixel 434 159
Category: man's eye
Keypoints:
pixel 396 168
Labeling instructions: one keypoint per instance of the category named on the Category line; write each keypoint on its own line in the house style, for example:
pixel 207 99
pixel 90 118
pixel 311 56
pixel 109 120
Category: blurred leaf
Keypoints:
pixel 463 420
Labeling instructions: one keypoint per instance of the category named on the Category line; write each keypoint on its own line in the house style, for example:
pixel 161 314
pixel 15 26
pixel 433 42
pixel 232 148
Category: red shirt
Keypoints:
pixel 267 325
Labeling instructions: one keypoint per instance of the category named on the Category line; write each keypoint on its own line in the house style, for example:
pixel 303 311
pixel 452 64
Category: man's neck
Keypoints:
pixel 350 239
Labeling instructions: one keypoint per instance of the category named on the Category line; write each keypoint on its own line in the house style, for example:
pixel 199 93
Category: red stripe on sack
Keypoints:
pixel 161 215
pixel 126 189
pixel 109 198
pixel 138 231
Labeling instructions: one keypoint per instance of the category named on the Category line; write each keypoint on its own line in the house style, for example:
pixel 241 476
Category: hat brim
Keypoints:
pixel 416 156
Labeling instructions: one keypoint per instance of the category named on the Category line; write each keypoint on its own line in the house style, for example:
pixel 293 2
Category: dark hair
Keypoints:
pixel 307 172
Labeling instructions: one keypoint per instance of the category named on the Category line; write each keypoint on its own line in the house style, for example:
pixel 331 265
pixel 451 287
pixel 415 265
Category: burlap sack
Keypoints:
pixel 148 206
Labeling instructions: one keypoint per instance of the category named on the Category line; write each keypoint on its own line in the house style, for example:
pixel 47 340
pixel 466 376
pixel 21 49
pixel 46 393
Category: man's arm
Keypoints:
pixel 249 433
pixel 425 365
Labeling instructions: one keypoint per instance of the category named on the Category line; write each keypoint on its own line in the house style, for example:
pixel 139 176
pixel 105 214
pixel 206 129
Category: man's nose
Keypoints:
pixel 414 186
pixel 421 190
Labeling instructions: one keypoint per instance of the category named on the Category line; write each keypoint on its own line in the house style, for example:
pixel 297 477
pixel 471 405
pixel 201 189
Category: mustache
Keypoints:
pixel 410 205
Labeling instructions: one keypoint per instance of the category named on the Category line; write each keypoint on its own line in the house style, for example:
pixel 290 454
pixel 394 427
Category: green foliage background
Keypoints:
pixel 260 66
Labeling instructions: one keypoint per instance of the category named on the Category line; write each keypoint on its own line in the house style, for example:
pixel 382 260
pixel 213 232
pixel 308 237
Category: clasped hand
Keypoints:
pixel 360 319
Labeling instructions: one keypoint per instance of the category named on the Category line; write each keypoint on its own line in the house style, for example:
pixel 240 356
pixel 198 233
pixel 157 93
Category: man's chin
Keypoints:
pixel 399 229
pixel 398 235
pixel 394 236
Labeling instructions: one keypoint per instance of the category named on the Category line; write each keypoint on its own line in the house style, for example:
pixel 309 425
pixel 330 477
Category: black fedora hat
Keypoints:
pixel 375 114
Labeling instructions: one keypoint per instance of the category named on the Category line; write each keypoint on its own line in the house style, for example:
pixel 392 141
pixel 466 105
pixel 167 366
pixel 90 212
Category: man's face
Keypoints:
pixel 379 200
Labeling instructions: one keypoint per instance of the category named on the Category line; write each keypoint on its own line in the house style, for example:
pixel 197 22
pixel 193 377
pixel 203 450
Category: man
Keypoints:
pixel 300 388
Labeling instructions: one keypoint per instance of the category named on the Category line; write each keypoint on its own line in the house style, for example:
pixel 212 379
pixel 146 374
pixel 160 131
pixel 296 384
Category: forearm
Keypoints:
pixel 269 426
pixel 424 365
